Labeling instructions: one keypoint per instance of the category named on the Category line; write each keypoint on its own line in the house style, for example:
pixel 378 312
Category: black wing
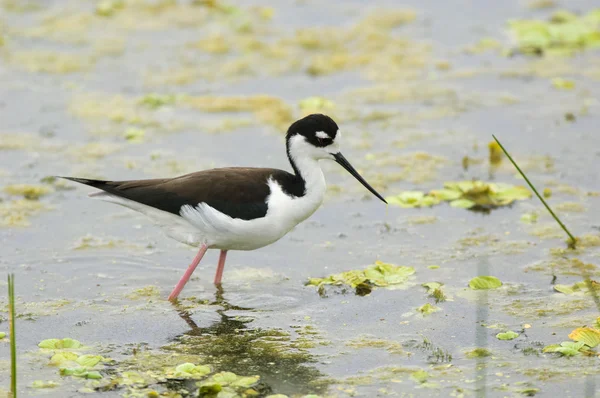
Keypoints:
pixel 235 191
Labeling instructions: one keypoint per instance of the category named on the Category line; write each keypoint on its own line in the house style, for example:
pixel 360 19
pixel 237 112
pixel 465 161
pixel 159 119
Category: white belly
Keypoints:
pixel 285 212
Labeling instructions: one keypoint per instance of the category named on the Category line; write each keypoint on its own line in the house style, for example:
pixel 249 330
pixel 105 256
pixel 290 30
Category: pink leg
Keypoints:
pixel 188 273
pixel 220 267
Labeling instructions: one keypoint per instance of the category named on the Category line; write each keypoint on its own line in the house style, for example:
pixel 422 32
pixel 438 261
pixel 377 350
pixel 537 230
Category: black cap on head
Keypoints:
pixel 310 125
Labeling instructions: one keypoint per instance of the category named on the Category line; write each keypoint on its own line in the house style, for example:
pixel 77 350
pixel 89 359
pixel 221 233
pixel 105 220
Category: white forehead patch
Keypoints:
pixel 322 134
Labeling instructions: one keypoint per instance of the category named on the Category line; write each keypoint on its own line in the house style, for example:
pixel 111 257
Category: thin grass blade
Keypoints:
pixel 13 341
pixel 571 237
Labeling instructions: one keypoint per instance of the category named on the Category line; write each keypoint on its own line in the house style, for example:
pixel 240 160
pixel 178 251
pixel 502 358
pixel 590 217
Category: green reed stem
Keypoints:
pixel 13 342
pixel 572 238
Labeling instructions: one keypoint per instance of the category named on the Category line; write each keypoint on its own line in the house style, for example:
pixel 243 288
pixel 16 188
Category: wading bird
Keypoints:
pixel 236 208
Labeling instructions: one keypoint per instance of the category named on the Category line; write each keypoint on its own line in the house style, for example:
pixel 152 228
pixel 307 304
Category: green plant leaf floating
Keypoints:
pixel 94 375
pixel 2 335
pixel 551 348
pixel 588 336
pixel 89 361
pixel 463 203
pixel 427 309
pixel 485 283
pixel 57 344
pixel 431 286
pixel 567 351
pixel 379 274
pixel 224 378
pixel 409 199
pixel 48 343
pixel 44 384
pixel 446 194
pixel 510 335
pixel 61 358
pixel 192 371
pixel 567 348
pixel 463 194
pixel 246 381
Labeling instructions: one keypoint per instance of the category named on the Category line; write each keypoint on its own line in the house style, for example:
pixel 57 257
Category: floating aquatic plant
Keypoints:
pixel 585 339
pixel 485 283
pixel 427 309
pixel 510 335
pixel 589 336
pixel 379 274
pixel 58 344
pixel 578 287
pixel 563 33
pixel 434 289
pixel 413 199
pixel 464 194
pixel 28 191
pixel 567 348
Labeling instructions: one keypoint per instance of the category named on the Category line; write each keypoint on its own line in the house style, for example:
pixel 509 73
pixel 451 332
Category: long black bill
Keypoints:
pixel 345 164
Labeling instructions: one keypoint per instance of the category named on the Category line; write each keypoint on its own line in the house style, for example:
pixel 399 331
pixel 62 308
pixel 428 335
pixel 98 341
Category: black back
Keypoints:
pixel 238 192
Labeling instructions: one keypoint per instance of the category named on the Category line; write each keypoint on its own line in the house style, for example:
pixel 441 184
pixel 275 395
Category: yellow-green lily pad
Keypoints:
pixel 463 194
pixel 63 357
pixel 189 370
pixel 89 361
pixel 80 372
pixel 566 348
pixel 57 344
pixel 409 199
pixel 510 335
pixel 589 336
pixel 485 283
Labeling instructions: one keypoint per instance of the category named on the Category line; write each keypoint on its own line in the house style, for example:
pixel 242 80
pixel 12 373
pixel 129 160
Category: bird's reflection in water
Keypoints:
pixel 230 344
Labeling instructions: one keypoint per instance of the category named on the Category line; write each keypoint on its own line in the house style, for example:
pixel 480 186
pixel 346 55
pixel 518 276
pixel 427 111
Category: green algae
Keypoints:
pixel 16 213
pixel 379 274
pixel 364 342
pixel 427 309
pixel 28 191
pixel 434 289
pixel 564 33
pixel 478 353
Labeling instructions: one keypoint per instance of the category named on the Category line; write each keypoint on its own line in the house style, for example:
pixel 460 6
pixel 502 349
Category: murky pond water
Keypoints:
pixel 145 88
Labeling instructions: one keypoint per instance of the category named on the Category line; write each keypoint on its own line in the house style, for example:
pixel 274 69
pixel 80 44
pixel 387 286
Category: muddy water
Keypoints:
pixel 414 95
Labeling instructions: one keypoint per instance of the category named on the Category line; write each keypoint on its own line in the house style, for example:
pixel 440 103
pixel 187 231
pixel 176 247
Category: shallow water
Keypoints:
pixel 264 321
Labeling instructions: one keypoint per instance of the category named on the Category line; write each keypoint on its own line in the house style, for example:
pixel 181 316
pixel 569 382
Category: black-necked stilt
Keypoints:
pixel 237 208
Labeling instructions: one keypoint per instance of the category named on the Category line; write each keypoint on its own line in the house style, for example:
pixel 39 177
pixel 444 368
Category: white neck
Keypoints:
pixel 314 180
